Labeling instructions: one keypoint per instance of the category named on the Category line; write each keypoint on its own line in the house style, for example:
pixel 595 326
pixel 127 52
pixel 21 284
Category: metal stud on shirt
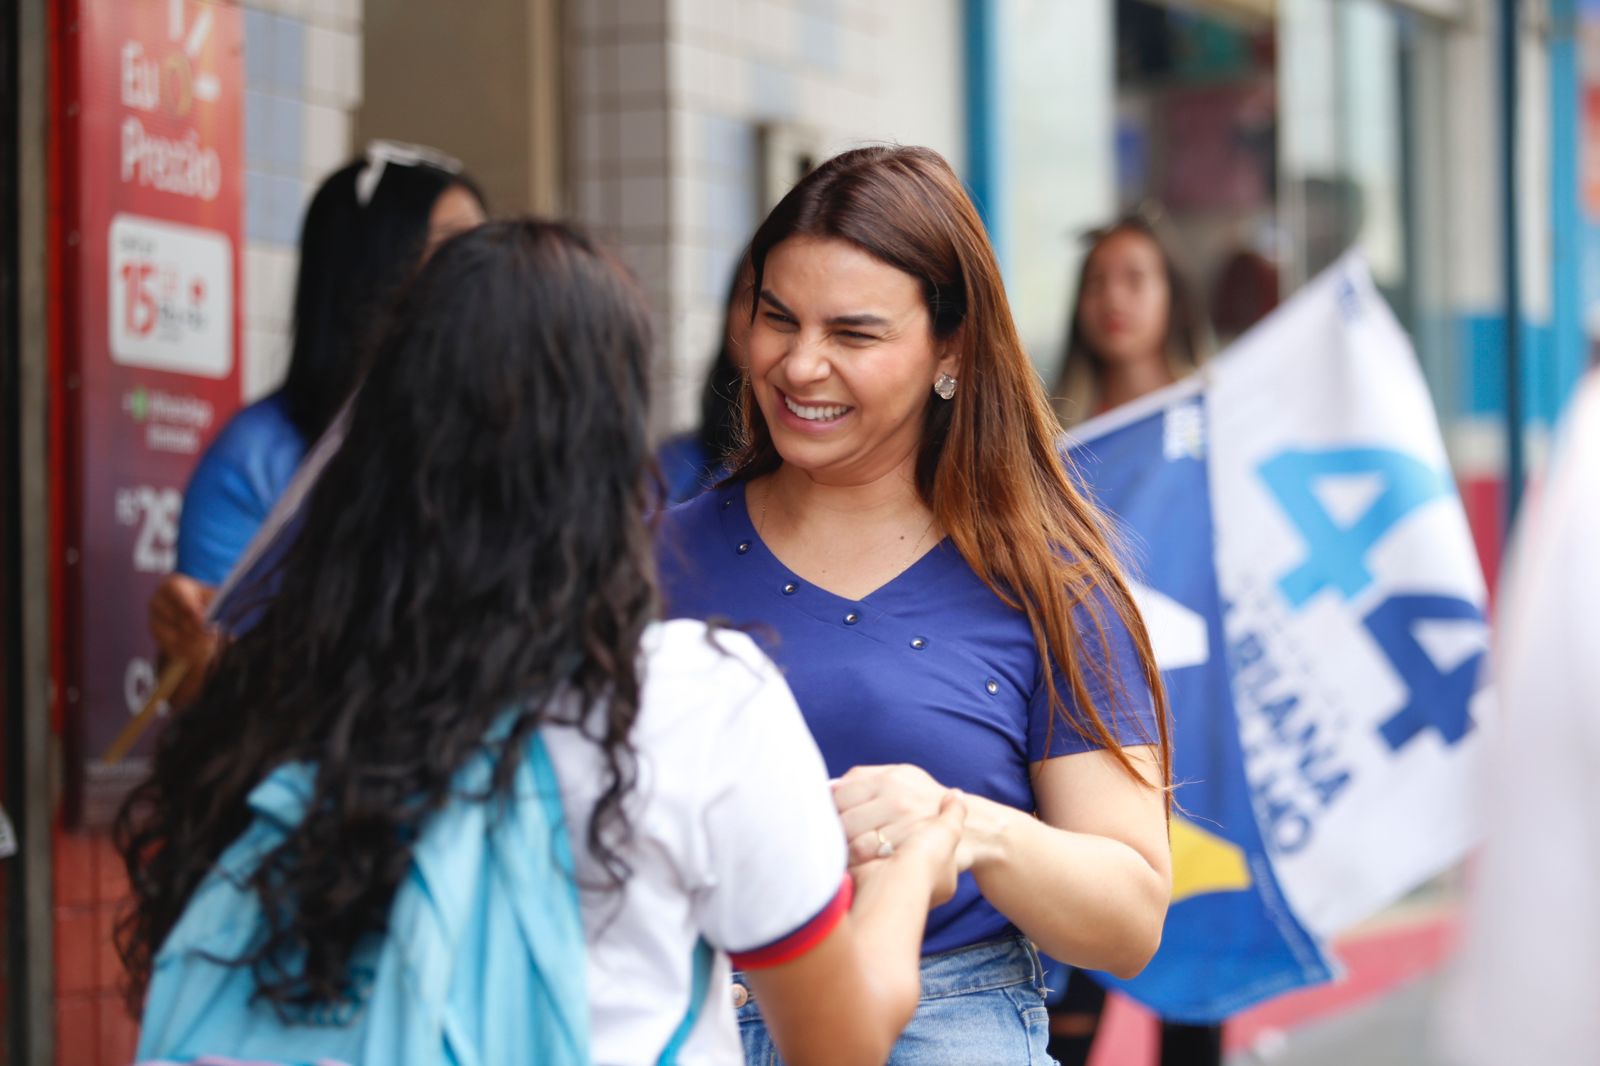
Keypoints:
pixel 744 547
pixel 918 643
pixel 790 589
pixel 852 618
pixel 992 685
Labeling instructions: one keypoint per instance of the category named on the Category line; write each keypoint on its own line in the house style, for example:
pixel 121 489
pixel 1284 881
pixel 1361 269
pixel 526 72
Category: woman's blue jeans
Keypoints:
pixel 982 1004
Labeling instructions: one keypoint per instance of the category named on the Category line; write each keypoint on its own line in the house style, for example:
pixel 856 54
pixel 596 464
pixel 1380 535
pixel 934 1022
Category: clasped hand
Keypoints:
pixel 901 805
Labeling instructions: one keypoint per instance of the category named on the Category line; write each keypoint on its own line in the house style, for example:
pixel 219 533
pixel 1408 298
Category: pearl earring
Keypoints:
pixel 945 387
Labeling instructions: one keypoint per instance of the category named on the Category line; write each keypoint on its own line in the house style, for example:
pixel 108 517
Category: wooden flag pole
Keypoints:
pixel 166 685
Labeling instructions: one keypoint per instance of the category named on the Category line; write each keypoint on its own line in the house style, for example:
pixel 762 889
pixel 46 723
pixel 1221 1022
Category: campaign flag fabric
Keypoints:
pixel 1355 601
pixel 1231 940
pixel 1318 613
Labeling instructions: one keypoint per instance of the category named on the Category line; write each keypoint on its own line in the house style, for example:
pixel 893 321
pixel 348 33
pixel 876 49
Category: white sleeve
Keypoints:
pixel 775 850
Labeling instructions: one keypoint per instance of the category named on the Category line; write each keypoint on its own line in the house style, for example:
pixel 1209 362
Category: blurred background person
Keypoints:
pixel 1134 328
pixel 365 231
pixel 692 462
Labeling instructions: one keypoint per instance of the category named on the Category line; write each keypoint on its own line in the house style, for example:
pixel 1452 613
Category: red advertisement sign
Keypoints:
pixel 1588 40
pixel 151 182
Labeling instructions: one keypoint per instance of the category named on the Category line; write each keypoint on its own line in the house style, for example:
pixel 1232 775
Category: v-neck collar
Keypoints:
pixel 745 541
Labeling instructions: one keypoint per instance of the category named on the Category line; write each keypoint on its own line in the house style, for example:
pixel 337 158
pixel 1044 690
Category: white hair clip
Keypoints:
pixel 380 154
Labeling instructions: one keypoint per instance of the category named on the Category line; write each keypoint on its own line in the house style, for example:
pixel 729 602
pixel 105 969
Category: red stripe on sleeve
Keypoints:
pixel 802 939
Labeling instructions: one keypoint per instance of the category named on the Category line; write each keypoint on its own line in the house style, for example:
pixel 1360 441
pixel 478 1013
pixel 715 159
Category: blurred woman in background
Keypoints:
pixel 368 226
pixel 1134 327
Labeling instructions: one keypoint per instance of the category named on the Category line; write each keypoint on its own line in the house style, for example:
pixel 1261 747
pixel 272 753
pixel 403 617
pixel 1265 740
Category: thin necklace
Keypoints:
pixel 761 525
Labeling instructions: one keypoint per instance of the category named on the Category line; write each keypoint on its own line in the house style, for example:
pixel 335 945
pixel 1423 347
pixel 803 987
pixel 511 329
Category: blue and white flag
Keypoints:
pixel 1317 609
pixel 1231 940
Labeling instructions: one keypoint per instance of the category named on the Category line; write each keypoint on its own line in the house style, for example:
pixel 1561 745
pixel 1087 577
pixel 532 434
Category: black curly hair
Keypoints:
pixel 477 546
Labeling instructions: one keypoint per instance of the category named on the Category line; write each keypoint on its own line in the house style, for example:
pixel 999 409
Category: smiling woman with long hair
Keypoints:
pixel 946 605
pixel 471 581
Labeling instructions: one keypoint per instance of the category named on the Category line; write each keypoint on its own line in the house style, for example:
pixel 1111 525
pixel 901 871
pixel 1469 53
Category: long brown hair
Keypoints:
pixel 1077 388
pixel 989 465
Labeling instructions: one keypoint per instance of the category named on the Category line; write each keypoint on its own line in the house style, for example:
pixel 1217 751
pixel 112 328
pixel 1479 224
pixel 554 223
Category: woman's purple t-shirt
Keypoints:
pixel 931 669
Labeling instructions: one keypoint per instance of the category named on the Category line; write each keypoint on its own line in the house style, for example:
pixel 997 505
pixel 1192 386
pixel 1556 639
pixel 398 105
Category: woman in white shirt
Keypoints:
pixel 472 577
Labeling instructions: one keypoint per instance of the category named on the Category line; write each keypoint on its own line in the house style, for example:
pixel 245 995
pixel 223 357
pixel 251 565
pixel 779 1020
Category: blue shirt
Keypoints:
pixel 931 669
pixel 238 480
pixel 687 468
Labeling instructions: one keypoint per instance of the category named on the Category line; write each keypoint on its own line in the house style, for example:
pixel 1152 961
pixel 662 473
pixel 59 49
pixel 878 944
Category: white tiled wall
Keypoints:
pixel 302 82
pixel 666 101
pixel 666 98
